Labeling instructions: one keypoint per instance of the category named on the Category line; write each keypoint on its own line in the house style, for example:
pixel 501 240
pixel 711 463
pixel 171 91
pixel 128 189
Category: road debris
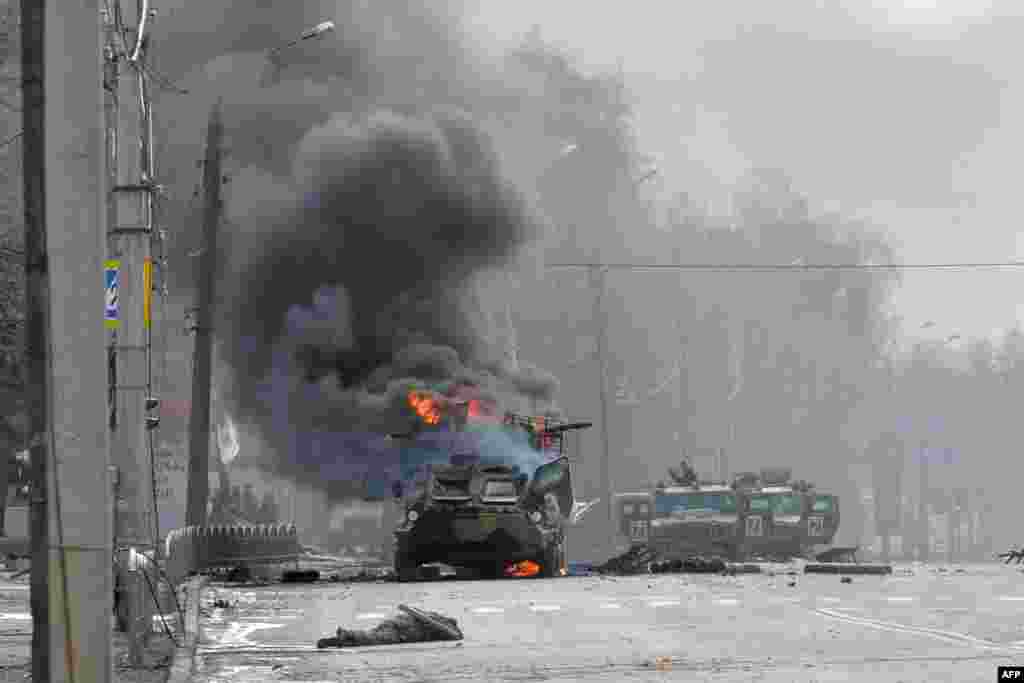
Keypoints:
pixel 379 575
pixel 300 576
pixel 1014 554
pixel 636 560
pixel 642 559
pixel 239 574
pixel 846 568
pixel 412 626
pixel 845 579
pixel 691 565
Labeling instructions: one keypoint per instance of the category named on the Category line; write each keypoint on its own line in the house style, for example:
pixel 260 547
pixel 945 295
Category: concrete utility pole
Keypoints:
pixel 202 365
pixel 598 274
pixel 64 245
pixel 132 232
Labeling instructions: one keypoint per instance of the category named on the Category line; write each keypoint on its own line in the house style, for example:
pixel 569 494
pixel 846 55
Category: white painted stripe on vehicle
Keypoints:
pixel 371 615
pixel 663 603
pixel 545 608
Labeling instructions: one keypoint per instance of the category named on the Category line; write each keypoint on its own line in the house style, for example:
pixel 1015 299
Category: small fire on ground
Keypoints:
pixel 522 569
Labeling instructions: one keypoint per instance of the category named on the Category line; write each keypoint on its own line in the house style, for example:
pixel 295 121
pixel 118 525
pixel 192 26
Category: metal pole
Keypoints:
pixel 202 369
pixel 65 226
pixel 598 274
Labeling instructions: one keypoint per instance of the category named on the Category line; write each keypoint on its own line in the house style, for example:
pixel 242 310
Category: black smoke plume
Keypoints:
pixel 364 208
pixel 362 290
pixel 396 216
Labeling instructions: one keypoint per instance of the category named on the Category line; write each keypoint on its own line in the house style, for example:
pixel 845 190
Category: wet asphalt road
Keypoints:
pixel 918 625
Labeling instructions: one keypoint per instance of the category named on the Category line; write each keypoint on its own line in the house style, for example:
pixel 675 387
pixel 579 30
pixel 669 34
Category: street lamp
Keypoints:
pixel 273 69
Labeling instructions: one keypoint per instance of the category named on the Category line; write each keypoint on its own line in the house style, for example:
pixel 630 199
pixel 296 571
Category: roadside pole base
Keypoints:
pixel 846 568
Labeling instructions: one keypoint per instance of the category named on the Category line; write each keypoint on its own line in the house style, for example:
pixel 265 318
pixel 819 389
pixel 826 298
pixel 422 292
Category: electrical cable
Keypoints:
pixel 119 27
pixel 156 601
pixel 58 514
pixel 12 138
pixel 140 32
pixel 772 267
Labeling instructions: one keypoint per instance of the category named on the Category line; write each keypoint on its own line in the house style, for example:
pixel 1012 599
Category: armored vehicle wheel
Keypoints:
pixel 405 568
pixel 552 560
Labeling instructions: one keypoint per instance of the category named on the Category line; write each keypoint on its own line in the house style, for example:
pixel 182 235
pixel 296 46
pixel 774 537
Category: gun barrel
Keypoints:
pixel 567 427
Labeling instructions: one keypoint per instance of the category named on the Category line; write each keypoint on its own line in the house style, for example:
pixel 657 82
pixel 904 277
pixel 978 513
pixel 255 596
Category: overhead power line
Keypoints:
pixel 9 140
pixel 771 267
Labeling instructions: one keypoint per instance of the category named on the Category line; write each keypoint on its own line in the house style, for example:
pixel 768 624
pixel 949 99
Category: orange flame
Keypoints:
pixel 524 568
pixel 426 406
pixel 482 410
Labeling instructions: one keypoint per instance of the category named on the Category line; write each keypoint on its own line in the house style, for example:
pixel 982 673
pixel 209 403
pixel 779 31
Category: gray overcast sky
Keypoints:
pixel 909 113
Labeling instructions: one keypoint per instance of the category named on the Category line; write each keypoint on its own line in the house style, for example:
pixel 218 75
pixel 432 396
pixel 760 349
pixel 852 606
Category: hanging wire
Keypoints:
pixel 771 267
pixel 140 33
pixel 12 138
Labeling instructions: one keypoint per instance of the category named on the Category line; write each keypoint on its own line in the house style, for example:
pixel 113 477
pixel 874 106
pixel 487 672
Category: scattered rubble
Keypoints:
pixel 363 576
pixel 846 568
pixel 300 576
pixel 1015 555
pixel 412 626
pixel 636 560
pixel 239 574
pixel 644 560
pixel 691 565
pixel 581 569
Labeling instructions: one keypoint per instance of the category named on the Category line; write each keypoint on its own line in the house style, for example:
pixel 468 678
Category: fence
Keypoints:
pixel 199 548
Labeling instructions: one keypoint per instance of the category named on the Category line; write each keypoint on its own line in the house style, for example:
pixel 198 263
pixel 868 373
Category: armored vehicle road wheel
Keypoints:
pixel 552 560
pixel 405 568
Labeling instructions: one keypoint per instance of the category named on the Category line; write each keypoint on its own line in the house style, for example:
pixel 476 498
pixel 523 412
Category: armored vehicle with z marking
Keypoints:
pixel 758 515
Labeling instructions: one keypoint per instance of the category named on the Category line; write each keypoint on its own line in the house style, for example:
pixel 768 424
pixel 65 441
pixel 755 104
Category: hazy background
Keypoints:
pixel 904 112
pixel 804 131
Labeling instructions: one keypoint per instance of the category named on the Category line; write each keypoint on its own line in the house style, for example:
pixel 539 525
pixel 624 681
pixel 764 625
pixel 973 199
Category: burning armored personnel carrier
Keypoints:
pixel 478 513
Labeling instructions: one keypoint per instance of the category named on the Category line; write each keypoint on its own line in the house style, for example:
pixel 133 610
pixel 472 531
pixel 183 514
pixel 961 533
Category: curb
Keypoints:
pixel 183 665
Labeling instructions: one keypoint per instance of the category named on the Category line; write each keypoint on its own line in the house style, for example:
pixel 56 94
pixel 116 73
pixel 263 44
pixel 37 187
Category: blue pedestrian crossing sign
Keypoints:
pixel 112 306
